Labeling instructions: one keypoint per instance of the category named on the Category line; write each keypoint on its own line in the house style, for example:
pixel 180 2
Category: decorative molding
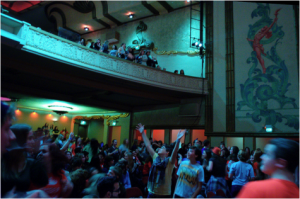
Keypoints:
pixel 101 117
pixel 189 52
pixel 46 44
pixel 107 15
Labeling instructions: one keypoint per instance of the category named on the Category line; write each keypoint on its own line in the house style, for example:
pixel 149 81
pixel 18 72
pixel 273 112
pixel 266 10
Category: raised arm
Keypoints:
pixel 175 150
pixel 68 142
pixel 140 128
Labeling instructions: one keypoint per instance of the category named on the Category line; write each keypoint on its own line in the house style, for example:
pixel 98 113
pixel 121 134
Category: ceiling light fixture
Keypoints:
pixel 60 107
pixel 86 28
pixel 130 16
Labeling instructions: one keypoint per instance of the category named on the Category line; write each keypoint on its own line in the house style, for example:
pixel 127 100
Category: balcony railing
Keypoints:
pixel 34 40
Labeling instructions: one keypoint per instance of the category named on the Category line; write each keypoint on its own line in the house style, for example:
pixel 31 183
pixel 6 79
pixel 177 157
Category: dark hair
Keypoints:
pixel 21 132
pixel 76 162
pixel 122 44
pixel 258 154
pixel 287 150
pixel 243 156
pixel 115 48
pixel 208 154
pixel 206 142
pixel 176 71
pixel 78 179
pixel 197 152
pixel 222 143
pixel 78 150
pixel 94 146
pixel 122 164
pixel 95 162
pixel 233 157
pixel 107 160
pixel 58 159
pixel 182 72
pixel 248 153
pixel 9 113
pixel 106 184
pixel 235 150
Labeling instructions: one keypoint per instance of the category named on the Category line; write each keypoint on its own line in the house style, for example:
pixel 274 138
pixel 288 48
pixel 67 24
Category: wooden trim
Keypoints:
pixel 173 127
pixel 230 76
pixel 249 134
pixel 107 15
pixel 254 143
pixel 166 6
pixel 243 142
pixel 209 67
pixel 150 8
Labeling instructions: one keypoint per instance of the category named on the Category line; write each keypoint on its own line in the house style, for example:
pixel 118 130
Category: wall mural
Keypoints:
pixel 266 83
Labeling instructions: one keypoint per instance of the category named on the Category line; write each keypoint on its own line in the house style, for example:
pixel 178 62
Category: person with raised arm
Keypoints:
pixel 160 175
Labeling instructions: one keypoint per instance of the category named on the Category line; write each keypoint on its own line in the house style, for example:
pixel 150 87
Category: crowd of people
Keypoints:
pixel 37 164
pixel 144 57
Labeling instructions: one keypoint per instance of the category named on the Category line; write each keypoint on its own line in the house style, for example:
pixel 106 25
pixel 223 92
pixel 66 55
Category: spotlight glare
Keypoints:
pixel 86 28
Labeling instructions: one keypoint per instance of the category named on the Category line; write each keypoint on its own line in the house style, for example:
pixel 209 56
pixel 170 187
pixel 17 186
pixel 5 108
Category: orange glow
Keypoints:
pixel 49 116
pixel 129 13
pixel 64 118
pixel 34 115
pixel 159 134
pixel 90 27
pixel 18 112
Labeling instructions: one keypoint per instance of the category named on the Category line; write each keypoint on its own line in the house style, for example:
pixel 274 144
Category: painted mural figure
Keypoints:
pixel 257 47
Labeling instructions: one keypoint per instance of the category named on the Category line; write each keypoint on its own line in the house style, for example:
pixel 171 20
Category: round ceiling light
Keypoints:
pixel 131 16
pixel 86 28
pixel 60 107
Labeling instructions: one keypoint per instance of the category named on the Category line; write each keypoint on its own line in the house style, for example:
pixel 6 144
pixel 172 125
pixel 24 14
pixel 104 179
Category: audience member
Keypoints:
pixel 206 144
pixel 108 187
pixel 92 45
pixel 82 42
pixel 104 48
pixel 242 171
pixel 121 51
pixel 130 55
pixel 279 162
pixel 97 45
pixel 190 176
pixel 159 184
pixel 114 151
pixel 181 72
pixel 124 146
pixel 114 51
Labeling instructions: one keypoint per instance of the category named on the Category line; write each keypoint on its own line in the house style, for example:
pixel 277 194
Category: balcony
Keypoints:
pixel 41 48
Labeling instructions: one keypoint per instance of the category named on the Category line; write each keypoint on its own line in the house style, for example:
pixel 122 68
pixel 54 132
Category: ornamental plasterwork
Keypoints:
pixel 45 43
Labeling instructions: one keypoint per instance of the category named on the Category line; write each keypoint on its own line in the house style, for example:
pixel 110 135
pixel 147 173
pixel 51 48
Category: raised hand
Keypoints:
pixel 140 128
pixel 180 134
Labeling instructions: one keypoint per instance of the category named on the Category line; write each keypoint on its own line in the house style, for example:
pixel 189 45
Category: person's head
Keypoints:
pixel 234 149
pixel 280 154
pixel 242 156
pixel 206 143
pixel 114 47
pixel 256 155
pixel 86 154
pixel 148 52
pixel 142 52
pixel 81 156
pixel 108 187
pixel 216 151
pixel 78 179
pixel 142 144
pixel 7 115
pixel 194 153
pixel 115 171
pixel 189 145
pixel 52 155
pixel 76 163
pixel 78 150
pixel 247 150
pixel 163 152
pixel 68 155
pixel 109 161
pixel 251 159
pixel 93 171
pixel 126 142
pixel 222 145
pixel 233 157
pixel 101 156
pixel 106 42
pixel 24 135
pixel 123 164
pixel 206 154
pixel 114 142
pixel 78 141
pixel 176 71
pixel 123 45
pixel 82 41
pixel 98 41
pixel 181 72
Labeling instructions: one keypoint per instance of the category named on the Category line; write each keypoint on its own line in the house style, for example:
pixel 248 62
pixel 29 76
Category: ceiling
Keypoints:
pixel 97 15
pixel 25 102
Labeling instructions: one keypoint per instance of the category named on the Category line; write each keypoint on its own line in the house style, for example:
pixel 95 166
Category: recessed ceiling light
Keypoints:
pixel 86 28
pixel 130 16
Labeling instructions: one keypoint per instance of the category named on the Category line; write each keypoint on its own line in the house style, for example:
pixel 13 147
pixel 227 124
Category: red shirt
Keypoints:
pixel 255 166
pixel 271 188
pixel 54 186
